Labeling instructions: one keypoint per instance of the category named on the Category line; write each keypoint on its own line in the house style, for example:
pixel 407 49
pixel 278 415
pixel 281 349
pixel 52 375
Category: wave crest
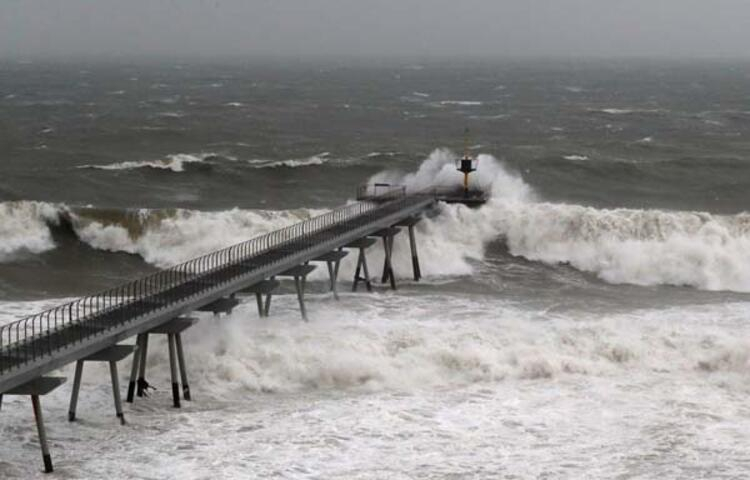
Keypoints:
pixel 176 162
pixel 315 160
pixel 24 228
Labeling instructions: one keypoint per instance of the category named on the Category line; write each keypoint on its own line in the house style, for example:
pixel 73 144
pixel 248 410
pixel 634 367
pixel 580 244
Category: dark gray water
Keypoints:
pixel 117 137
pixel 588 322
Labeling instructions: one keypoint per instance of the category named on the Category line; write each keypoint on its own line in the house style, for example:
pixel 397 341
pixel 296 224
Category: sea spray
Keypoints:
pixel 643 247
pixel 425 341
pixel 24 228
pixel 175 162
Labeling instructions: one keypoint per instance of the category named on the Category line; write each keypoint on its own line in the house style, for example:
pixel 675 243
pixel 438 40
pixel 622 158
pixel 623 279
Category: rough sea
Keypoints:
pixel 589 321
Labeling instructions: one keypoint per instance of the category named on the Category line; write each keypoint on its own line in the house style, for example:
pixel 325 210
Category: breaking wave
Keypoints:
pixel 24 228
pixel 427 341
pixel 161 237
pixel 628 111
pixel 576 158
pixel 319 159
pixel 168 237
pixel 175 162
pixel 643 247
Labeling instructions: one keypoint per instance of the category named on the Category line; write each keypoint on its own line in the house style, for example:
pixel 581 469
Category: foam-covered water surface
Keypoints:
pixel 418 387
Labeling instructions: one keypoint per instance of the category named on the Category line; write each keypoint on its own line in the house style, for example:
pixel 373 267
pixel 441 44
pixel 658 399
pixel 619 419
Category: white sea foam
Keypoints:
pixel 164 240
pixel 628 111
pixel 644 247
pixel 171 114
pixel 426 341
pixel 617 111
pixel 463 103
pixel 439 170
pixel 576 158
pixel 24 228
pixel 315 160
pixel 396 386
pixel 175 162
pixel 381 154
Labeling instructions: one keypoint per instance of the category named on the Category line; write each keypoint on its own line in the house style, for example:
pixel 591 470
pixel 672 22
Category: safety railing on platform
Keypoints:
pixel 380 191
pixel 28 339
pixel 383 191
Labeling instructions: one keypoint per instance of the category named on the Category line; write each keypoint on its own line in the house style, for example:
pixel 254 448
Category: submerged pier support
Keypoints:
pixel 362 244
pixel 111 355
pixel 410 223
pixel 333 262
pixel 267 288
pixel 300 273
pixel 36 388
pixel 173 329
pixel 223 305
pixel 387 234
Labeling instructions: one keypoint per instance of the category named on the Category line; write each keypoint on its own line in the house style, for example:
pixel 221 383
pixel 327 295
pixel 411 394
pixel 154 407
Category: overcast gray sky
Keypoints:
pixel 496 28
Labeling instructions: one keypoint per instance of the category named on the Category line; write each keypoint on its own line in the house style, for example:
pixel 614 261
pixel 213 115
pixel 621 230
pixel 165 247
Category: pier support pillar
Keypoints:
pixel 111 355
pixel 143 385
pixel 265 287
pixel 410 223
pixel 173 370
pixel 333 262
pixel 300 273
pixel 173 329
pixel 222 305
pixel 39 419
pixel 39 387
pixel 141 348
pixel 387 265
pixel 362 244
pixel 183 367
pixel 388 234
pixel 414 255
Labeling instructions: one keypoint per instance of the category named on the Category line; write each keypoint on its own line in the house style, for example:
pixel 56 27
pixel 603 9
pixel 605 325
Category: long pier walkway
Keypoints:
pixel 89 328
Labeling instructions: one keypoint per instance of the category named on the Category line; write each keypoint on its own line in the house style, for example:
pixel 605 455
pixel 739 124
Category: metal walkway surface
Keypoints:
pixel 34 346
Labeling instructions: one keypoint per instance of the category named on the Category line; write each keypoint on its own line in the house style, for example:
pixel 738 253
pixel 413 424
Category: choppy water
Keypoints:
pixel 588 322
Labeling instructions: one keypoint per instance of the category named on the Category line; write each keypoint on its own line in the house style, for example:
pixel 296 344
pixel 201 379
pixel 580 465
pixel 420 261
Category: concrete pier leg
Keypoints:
pixel 299 284
pixel 134 369
pixel 76 390
pixel 336 266
pixel 183 368
pixel 357 278
pixel 332 272
pixel 116 391
pixel 414 256
pixel 1 401
pixel 387 265
pixel 46 458
pixel 368 283
pixel 142 384
pixel 173 371
pixel 259 299
pixel 267 307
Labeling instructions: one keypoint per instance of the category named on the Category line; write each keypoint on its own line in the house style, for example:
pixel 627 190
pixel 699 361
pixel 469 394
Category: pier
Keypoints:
pixel 90 328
